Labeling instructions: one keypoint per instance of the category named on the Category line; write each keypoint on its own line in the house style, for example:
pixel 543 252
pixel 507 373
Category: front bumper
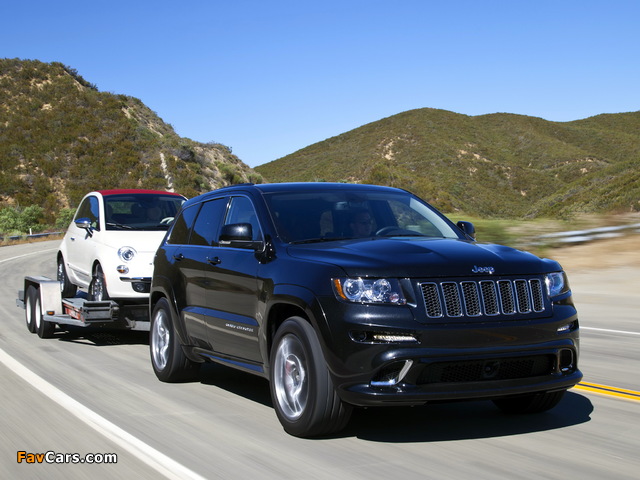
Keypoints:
pixel 472 360
pixel 138 284
pixel 134 282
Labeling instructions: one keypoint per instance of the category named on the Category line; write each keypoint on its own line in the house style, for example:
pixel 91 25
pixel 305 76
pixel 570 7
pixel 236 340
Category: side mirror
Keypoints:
pixel 85 224
pixel 467 228
pixel 239 235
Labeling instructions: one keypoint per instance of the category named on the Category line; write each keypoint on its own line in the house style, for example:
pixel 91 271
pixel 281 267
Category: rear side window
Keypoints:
pixel 182 225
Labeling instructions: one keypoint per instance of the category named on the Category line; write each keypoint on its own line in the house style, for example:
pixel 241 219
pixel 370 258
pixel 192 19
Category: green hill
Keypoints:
pixel 60 138
pixel 491 165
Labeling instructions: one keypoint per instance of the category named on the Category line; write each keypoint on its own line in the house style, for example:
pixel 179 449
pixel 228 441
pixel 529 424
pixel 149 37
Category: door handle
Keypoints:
pixel 214 260
pixel 178 257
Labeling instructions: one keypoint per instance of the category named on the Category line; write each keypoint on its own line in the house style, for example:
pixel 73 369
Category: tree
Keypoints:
pixel 20 220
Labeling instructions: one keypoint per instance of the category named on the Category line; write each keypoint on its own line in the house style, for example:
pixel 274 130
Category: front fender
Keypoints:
pixel 288 300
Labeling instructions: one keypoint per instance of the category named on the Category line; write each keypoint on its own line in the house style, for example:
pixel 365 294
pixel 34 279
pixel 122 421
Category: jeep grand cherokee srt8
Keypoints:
pixel 348 295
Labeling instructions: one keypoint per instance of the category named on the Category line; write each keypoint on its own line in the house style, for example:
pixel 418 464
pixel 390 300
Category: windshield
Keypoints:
pixel 140 211
pixel 334 215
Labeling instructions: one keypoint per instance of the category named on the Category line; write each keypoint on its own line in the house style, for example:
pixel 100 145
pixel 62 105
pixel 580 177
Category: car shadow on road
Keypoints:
pixel 101 337
pixel 239 383
pixel 436 422
pixel 461 421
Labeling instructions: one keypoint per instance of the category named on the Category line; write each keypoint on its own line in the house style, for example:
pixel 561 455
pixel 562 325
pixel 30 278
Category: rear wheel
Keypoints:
pixel 30 298
pixel 170 364
pixel 98 286
pixel 67 289
pixel 301 388
pixel 534 403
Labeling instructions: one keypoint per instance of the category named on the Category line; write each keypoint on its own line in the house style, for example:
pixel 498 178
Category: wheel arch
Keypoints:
pixel 162 288
pixel 290 301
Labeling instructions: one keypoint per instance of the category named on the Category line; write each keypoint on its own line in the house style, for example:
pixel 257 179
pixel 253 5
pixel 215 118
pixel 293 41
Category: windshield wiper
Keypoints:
pixel 119 225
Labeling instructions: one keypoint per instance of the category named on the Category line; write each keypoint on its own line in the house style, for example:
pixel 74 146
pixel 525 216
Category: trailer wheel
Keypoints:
pixel 30 298
pixel 44 329
pixel 170 364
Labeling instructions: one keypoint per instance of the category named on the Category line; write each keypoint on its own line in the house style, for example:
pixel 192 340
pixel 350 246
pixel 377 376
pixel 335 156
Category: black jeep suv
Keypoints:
pixel 347 295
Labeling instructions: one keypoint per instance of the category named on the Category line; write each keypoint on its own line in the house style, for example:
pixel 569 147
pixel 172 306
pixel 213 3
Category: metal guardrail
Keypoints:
pixel 27 237
pixel 583 236
pixel 573 237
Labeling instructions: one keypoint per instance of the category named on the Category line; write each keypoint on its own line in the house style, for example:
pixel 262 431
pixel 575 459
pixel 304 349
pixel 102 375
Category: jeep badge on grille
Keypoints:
pixel 489 270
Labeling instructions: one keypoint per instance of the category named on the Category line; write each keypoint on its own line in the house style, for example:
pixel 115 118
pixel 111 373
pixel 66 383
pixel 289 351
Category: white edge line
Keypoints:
pixel 144 452
pixel 27 254
pixel 609 331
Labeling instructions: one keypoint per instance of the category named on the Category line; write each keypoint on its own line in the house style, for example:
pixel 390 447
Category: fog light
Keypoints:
pixel 566 361
pixel 392 374
pixel 141 287
pixel 122 269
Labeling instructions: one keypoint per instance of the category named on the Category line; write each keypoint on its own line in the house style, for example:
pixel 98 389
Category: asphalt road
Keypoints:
pixel 95 393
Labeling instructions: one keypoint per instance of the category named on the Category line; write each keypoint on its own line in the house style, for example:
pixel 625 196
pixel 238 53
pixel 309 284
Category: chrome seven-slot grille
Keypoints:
pixel 484 297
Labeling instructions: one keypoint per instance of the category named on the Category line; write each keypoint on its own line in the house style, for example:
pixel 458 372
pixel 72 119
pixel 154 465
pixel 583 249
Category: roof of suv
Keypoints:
pixel 305 187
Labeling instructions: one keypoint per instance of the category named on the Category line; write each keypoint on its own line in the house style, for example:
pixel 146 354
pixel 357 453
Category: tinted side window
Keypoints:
pixel 90 209
pixel 241 210
pixel 182 225
pixel 208 222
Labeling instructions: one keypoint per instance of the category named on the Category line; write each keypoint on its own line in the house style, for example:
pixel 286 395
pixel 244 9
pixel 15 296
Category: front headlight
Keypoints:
pixel 126 254
pixel 369 290
pixel 557 283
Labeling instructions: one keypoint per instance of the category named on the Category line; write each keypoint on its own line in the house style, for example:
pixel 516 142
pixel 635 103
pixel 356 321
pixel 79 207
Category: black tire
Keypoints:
pixel 169 362
pixel 67 289
pixel 29 301
pixel 44 329
pixel 302 392
pixel 534 403
pixel 98 286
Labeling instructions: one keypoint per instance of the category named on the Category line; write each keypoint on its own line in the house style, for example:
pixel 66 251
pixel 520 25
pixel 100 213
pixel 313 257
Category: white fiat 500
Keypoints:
pixel 109 246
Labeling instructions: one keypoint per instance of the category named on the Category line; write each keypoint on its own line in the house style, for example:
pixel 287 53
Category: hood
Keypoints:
pixel 144 241
pixel 410 257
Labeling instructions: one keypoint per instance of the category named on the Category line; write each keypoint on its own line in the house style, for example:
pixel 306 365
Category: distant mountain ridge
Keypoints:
pixel 490 165
pixel 60 138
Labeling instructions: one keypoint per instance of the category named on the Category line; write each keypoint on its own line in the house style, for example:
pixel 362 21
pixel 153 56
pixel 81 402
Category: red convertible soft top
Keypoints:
pixel 131 190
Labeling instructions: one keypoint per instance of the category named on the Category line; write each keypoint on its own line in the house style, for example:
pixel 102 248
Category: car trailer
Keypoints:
pixel 45 308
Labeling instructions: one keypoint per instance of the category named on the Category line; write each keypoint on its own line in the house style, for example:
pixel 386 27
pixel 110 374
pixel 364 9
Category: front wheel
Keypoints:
pixel 98 286
pixel 170 364
pixel 302 392
pixel 67 289
pixel 534 403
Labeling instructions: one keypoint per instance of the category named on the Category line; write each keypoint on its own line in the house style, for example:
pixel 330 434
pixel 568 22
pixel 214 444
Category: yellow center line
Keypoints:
pixel 607 390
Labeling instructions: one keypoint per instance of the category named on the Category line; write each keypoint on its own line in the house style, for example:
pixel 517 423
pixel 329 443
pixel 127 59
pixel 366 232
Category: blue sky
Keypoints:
pixel 267 78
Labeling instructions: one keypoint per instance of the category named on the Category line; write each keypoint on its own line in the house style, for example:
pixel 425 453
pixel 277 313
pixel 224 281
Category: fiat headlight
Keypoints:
pixel 369 290
pixel 557 283
pixel 126 254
